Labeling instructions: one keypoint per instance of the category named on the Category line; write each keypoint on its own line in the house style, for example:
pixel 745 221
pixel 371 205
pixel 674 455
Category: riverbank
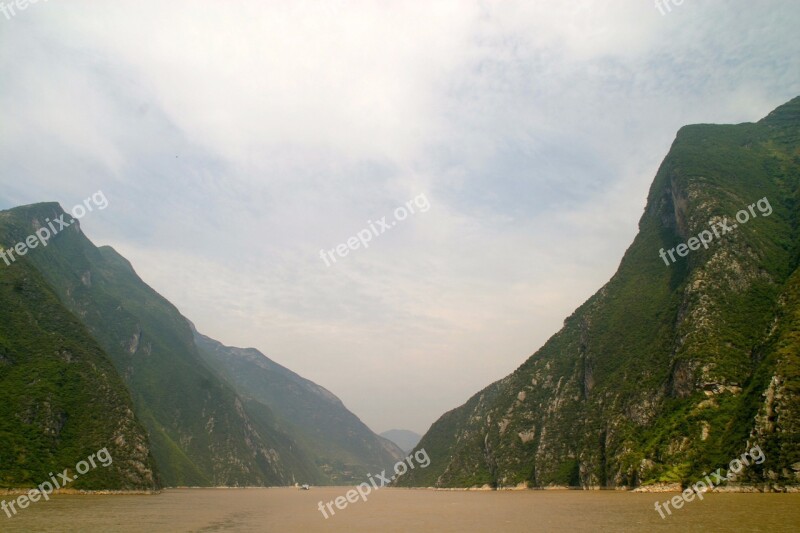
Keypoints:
pixel 73 492
pixel 654 488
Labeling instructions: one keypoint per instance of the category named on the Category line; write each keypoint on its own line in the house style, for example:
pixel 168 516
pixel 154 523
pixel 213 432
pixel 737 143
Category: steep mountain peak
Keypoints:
pixel 688 355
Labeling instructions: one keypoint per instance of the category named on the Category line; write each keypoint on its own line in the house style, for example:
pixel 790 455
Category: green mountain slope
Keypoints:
pixel 200 430
pixel 61 399
pixel 670 370
pixel 345 449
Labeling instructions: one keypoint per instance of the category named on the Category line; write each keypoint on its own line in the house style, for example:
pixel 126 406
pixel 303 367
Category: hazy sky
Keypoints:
pixel 236 139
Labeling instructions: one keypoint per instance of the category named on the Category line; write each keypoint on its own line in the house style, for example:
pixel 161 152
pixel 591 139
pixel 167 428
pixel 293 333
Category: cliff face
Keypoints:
pixel 673 368
pixel 200 430
pixel 61 399
pixel 214 415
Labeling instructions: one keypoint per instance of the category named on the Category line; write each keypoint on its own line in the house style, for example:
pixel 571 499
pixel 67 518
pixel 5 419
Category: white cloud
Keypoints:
pixel 234 140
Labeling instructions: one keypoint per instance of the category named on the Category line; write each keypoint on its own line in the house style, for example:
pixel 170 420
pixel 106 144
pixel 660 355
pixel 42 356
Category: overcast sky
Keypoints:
pixel 235 140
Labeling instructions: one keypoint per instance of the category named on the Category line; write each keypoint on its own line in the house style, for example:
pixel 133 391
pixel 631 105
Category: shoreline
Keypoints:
pixel 673 488
pixel 82 492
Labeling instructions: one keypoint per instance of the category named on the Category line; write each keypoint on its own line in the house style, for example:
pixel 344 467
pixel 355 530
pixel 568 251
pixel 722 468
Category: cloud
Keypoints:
pixel 236 140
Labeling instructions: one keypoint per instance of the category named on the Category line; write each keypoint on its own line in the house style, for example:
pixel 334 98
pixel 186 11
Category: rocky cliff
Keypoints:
pixel 674 367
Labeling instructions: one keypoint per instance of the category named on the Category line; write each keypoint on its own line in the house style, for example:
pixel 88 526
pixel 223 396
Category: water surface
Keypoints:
pixel 404 510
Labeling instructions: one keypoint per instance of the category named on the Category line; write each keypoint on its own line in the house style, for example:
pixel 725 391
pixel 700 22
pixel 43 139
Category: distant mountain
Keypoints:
pixel 214 416
pixel 345 449
pixel 672 369
pixel 404 438
pixel 61 400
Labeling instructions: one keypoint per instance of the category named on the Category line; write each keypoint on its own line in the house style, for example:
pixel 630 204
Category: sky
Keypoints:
pixel 237 140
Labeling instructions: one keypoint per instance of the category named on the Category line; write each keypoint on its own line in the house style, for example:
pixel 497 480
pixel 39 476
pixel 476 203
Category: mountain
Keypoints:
pixel 672 369
pixel 404 438
pixel 200 431
pixel 214 415
pixel 61 399
pixel 345 449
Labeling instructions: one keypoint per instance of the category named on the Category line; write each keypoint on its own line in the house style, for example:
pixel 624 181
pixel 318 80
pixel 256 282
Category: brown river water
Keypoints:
pixel 289 510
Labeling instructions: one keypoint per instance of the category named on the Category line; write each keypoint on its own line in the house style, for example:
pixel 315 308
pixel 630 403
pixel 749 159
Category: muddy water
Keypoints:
pixel 288 510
